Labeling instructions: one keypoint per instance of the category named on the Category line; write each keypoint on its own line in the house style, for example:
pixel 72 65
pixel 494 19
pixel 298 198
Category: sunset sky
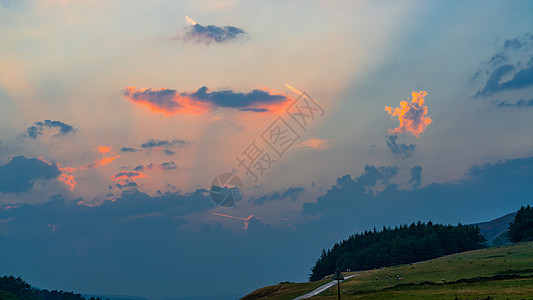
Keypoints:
pixel 116 116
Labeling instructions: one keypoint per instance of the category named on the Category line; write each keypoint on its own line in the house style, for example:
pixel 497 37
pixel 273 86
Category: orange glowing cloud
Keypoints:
pixel 102 149
pixel 170 102
pixel 126 177
pixel 66 172
pixel 315 143
pixel 68 179
pixel 97 163
pixel 165 101
pixel 41 158
pixel 412 116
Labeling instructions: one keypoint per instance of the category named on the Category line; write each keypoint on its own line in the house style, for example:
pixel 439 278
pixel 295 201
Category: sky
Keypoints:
pixel 335 116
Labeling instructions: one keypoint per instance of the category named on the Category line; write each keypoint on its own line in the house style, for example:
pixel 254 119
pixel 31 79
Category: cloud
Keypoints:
pixel 413 118
pixel 38 127
pixel 66 172
pixel 68 179
pixel 292 193
pixel 170 102
pixel 127 174
pixel 514 61
pixel 416 176
pixel 398 149
pixel 155 143
pixel 412 115
pixel 20 174
pixel 102 149
pixel 163 100
pixel 147 230
pixel 170 165
pixel 158 234
pixel 376 175
pixel 482 191
pixel 198 34
pixel 521 79
pixel 141 168
pixel 169 152
pixel 232 99
pixel 315 143
pixel 254 109
pixel 97 163
pixel 513 44
pixel 130 149
pixel 519 103
pixel 127 178
pixel 498 59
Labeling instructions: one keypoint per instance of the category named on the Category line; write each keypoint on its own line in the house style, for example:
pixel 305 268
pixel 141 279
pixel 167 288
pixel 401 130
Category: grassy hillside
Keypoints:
pixel 504 272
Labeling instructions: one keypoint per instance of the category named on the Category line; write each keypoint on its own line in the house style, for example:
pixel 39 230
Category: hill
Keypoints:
pixel 495 231
pixel 12 288
pixel 501 272
pixel 399 245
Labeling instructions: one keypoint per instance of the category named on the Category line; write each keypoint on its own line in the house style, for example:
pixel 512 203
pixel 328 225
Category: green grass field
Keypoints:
pixel 442 272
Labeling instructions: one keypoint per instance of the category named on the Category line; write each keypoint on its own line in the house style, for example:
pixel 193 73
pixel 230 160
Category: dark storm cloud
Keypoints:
pixel 488 190
pixel 38 127
pixel 155 233
pixel 519 103
pixel 199 34
pixel 151 232
pixel 398 149
pixel 20 174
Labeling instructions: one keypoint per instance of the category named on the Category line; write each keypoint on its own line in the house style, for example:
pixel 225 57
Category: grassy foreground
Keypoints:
pixel 504 272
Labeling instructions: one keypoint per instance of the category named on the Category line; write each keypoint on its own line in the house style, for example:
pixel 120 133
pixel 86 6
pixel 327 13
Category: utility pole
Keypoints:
pixel 338 276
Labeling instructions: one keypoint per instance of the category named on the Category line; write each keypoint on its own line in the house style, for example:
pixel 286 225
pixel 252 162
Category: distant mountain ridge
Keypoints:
pixel 495 231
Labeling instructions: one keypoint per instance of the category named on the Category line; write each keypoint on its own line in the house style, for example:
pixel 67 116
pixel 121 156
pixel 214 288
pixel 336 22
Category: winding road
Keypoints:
pixel 322 288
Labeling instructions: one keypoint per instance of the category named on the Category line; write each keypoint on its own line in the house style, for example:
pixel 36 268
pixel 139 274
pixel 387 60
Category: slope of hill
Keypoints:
pixel 495 231
pixel 502 272
pixel 399 245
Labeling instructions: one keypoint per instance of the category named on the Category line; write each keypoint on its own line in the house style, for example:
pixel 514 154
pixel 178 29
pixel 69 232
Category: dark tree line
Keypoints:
pixel 18 289
pixel 521 229
pixel 401 245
